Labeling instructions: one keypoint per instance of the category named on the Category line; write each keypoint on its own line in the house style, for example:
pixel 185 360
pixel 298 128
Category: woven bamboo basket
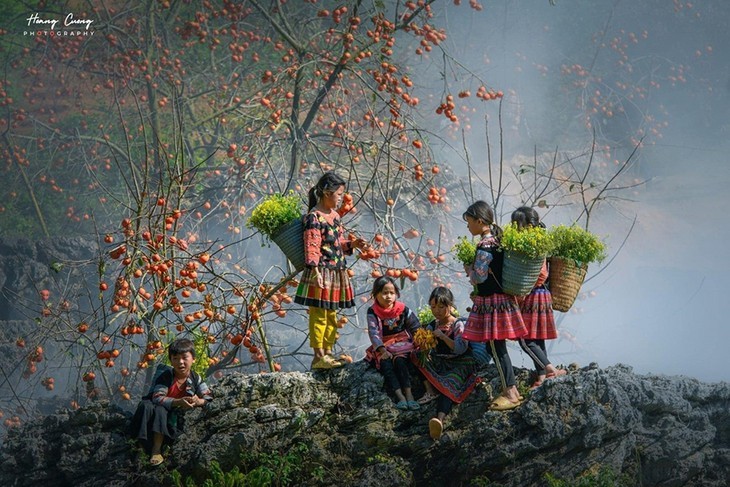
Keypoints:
pixel 520 273
pixel 566 279
pixel 290 239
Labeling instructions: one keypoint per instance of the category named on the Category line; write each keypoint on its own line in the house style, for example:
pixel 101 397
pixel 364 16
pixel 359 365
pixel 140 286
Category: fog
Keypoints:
pixel 661 69
pixel 657 306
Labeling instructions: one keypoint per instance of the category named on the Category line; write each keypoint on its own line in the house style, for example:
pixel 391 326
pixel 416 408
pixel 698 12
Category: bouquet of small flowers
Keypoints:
pixel 425 341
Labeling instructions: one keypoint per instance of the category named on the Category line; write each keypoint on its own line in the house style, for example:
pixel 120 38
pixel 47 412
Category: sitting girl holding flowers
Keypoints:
pixel 448 364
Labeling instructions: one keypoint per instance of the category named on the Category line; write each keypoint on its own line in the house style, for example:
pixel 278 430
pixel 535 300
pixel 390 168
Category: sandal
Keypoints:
pixel 501 403
pixel 435 428
pixel 156 460
pixel 428 397
pixel 413 405
pixel 326 362
pixel 402 405
pixel 335 361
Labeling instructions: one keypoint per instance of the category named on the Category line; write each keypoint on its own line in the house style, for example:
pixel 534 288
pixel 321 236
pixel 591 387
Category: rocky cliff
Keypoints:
pixel 339 428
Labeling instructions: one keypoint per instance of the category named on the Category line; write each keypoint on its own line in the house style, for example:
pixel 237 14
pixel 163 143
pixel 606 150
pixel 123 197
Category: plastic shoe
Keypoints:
pixel 426 398
pixel 156 460
pixel 413 405
pixel 435 428
pixel 335 363
pixel 402 405
pixel 557 373
pixel 501 403
pixel 324 363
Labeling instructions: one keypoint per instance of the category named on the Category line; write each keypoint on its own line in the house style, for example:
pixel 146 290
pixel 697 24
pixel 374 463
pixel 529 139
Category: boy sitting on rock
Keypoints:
pixel 175 390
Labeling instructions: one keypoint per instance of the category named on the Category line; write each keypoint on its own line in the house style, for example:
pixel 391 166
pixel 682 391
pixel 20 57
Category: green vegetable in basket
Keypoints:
pixel 275 211
pixel 531 241
pixel 577 244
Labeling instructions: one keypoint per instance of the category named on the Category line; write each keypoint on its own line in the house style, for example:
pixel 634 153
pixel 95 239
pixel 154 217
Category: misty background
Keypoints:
pixel 661 68
pixel 659 305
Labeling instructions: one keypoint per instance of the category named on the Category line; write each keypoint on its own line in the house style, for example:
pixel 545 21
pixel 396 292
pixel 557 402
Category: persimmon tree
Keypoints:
pixel 159 133
pixel 168 125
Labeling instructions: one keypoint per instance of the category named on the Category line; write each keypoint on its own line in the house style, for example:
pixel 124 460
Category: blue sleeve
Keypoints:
pixel 480 270
pixel 412 323
pixel 374 331
pixel 460 345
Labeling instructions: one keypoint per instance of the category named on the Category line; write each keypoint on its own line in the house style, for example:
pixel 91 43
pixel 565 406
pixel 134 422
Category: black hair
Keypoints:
pixel 329 181
pixel 180 346
pixel 441 296
pixel 524 216
pixel 380 283
pixel 480 210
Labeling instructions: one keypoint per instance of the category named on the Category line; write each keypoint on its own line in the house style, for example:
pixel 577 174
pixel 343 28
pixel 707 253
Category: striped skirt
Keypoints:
pixel 336 294
pixel 537 314
pixel 454 377
pixel 494 317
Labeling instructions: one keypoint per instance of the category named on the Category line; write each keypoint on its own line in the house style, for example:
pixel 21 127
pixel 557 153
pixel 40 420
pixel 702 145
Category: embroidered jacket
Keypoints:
pixel 486 273
pixel 325 242
pixel 379 328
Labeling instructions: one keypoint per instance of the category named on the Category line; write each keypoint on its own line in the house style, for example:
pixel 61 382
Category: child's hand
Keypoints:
pixel 319 278
pixel 182 403
pixel 197 401
pixel 385 354
pixel 192 401
pixel 439 334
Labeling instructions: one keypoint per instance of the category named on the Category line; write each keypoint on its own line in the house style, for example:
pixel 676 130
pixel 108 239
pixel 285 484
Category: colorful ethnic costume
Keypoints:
pixel 537 314
pixel 451 372
pixel 495 316
pixel 394 329
pixel 325 246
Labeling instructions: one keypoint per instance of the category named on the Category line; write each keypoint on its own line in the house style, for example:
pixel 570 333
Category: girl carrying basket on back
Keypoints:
pixel 537 310
pixel 325 286
pixel 495 316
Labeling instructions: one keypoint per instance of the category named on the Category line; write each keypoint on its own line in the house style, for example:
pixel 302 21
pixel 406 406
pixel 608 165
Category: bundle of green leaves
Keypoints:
pixel 465 250
pixel 275 211
pixel 577 244
pixel 425 315
pixel 531 241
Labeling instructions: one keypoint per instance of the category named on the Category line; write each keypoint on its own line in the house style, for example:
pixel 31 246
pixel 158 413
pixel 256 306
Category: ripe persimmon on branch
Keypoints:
pixel 159 134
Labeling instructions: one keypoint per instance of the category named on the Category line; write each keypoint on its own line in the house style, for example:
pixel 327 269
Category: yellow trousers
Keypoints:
pixel 322 328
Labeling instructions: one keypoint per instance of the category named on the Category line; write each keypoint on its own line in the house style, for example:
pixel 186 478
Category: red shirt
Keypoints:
pixel 176 391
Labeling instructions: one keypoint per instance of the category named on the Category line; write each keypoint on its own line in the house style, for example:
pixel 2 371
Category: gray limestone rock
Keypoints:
pixel 340 428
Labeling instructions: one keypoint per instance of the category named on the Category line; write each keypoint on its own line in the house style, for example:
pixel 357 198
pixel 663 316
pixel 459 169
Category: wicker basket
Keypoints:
pixel 520 273
pixel 566 278
pixel 290 239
